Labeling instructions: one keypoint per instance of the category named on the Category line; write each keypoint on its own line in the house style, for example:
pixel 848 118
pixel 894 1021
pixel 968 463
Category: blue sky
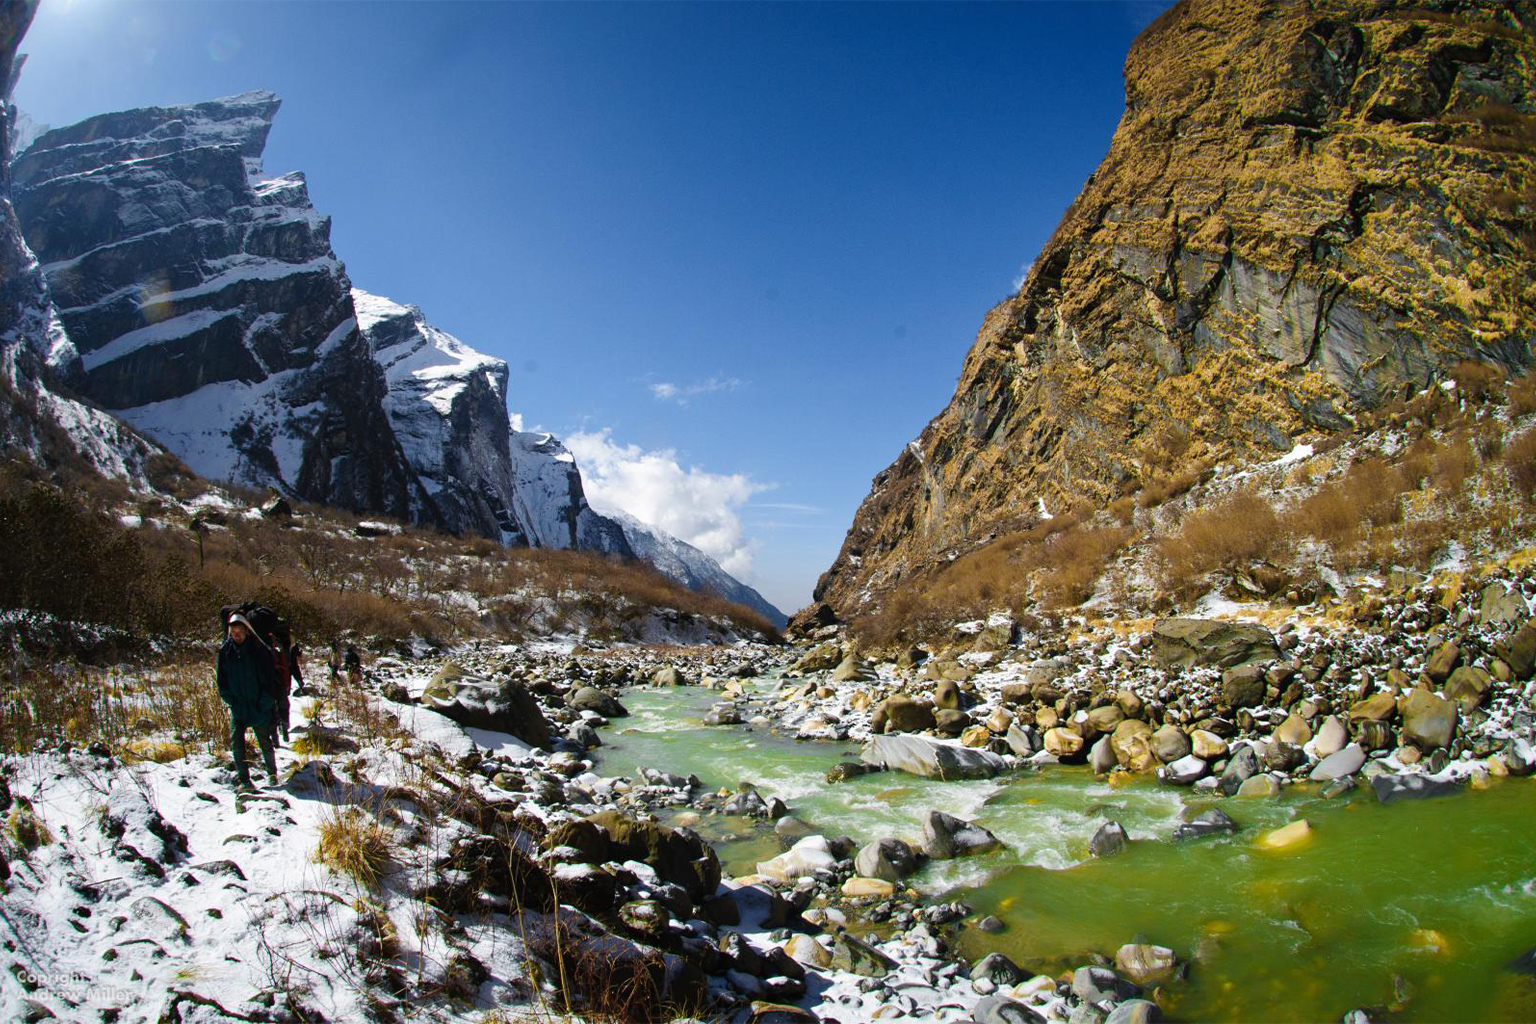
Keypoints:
pixel 734 253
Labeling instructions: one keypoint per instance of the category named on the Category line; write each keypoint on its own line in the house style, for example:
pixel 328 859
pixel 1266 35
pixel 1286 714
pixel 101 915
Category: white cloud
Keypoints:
pixel 666 391
pixel 688 502
pixel 1018 282
pixel 517 421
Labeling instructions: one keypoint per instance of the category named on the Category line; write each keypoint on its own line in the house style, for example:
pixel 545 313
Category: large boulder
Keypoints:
pixel 851 670
pixel 1207 823
pixel 1064 743
pixel 1429 720
pixel 1145 964
pixel 1500 605
pixel 1441 663
pixel 890 859
pixel 1242 765
pixel 946 695
pixel 931 758
pixel 900 713
pixel 502 706
pixel 1211 642
pixel 806 857
pixel 590 698
pixel 1331 737
pixel 1519 651
pixel 1339 764
pixel 1110 839
pixel 1169 743
pixel 1468 686
pixel 1389 788
pixel 1378 707
pixel 678 855
pixel 946 837
pixel 1243 686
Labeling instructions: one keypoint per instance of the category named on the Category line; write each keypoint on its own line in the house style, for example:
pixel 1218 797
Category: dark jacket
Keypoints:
pixel 247 681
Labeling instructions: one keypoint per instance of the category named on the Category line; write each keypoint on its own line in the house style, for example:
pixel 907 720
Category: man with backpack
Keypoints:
pixel 247 682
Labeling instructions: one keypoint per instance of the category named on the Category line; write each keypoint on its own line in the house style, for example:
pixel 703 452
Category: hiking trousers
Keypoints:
pixel 237 727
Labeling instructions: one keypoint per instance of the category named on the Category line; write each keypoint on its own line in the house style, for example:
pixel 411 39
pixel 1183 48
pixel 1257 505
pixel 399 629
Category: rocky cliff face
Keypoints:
pixel 205 305
pixel 1307 210
pixel 34 348
pixel 447 404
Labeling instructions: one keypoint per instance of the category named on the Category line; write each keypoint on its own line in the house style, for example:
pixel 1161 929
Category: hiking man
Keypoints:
pixel 354 664
pixel 247 683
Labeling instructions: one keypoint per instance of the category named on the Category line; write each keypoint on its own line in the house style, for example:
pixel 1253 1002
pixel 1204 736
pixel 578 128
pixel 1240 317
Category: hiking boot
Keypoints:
pixel 244 786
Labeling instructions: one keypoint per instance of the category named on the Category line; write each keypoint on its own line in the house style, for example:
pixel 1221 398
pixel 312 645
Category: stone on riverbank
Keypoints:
pixel 590 698
pixel 1339 764
pixel 890 859
pixel 901 713
pixel 1211 642
pixel 1212 822
pixel 931 758
pixel 1109 840
pixel 1146 965
pixel 504 706
pixel 808 856
pixel 1413 787
pixel 1429 721
pixel 1287 837
pixel 946 837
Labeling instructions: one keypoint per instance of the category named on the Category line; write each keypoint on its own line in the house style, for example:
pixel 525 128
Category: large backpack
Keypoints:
pixel 271 629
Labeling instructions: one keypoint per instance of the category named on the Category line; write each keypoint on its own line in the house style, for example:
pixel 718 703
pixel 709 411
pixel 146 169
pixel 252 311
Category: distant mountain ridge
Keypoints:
pixel 200 301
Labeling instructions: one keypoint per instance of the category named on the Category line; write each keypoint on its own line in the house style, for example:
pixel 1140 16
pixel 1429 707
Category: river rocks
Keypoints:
pixel 1287 837
pixel 647 918
pixel 1331 737
pixel 1063 743
pixel 791 829
pixel 1375 736
pixel 1105 719
pixel 1207 745
pixel 724 713
pixel 1390 788
pixel 1439 665
pixel 1109 840
pixel 1100 984
pixel 1132 743
pixel 678 855
pixel 946 695
pixel 1023 740
pixel 890 859
pixel 850 953
pixel 1261 785
pixel 587 838
pixel 806 857
pixel 1135 1011
pixel 1519 651
pixel 948 722
pixel 806 950
pixel 1429 721
pixel 1378 707
pixel 1500 605
pixel 669 675
pixel 1282 757
pixel 1339 764
pixel 999 1009
pixel 946 837
pixel 845 770
pixel 975 736
pixel 999 970
pixel 1243 686
pixel 860 885
pixel 931 758
pixel 1212 822
pixel 1211 642
pixel 1468 686
pixel 901 713
pixel 1242 765
pixel 1294 730
pixel 1183 772
pixel 851 669
pixel 504 706
pixel 1520 756
pixel 1101 757
pixel 1169 743
pixel 1146 965
pixel 590 698
pixel 818 659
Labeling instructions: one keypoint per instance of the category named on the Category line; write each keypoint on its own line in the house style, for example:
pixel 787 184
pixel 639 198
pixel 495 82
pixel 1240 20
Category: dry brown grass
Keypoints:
pixel 140 714
pixel 1240 528
pixel 1164 487
pixel 354 843
pixel 1520 463
pixel 1522 394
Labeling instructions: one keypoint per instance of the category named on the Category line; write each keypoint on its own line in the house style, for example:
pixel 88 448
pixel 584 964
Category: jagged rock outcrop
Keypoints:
pixel 683 563
pixel 34 347
pixel 447 404
pixel 205 305
pixel 1306 211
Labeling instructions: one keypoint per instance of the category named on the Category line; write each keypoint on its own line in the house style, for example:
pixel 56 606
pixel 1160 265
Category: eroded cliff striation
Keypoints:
pixel 1307 210
pixel 205 305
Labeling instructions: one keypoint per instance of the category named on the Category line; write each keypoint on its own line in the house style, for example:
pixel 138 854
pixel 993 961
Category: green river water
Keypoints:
pixel 1425 899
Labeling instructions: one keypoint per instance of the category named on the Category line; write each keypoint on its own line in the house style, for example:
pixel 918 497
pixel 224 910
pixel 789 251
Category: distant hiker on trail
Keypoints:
pixel 282 665
pixel 354 664
pixel 335 660
pixel 247 683
pixel 294 656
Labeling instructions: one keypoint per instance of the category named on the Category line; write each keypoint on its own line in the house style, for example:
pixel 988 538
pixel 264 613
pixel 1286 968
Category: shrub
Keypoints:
pixel 355 844
pixel 1520 462
pixel 1241 528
